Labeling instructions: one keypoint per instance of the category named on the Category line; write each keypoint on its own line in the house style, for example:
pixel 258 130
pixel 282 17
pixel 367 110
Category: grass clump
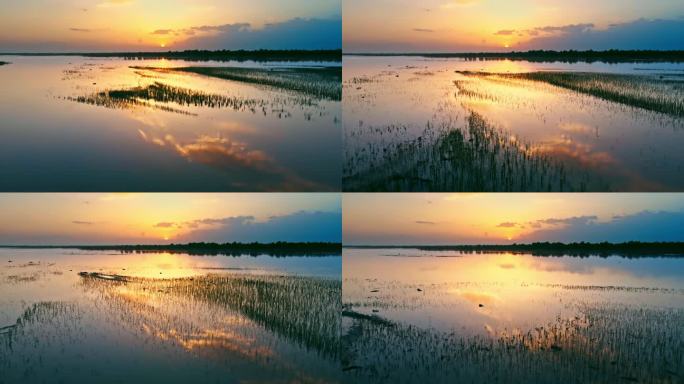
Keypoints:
pixel 304 309
pixel 652 93
pixel 318 82
pixel 608 343
pixel 447 157
pixel 161 93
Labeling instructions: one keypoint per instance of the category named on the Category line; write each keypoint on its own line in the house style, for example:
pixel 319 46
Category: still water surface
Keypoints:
pixel 51 142
pixel 395 107
pixel 175 317
pixel 500 316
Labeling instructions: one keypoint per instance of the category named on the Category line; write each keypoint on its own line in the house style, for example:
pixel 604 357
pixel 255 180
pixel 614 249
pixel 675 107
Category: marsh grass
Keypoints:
pixel 605 343
pixel 161 93
pixel 37 314
pixel 653 93
pixel 231 328
pixel 318 82
pixel 305 310
pixel 158 95
pixel 449 157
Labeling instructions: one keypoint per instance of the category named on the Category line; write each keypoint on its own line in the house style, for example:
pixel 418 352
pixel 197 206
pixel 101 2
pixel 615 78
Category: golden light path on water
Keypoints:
pixel 497 291
pixel 173 316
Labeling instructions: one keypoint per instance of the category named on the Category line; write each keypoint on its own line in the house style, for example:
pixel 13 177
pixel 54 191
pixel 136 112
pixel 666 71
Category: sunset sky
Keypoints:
pixel 401 219
pixel 125 25
pixel 79 219
pixel 503 25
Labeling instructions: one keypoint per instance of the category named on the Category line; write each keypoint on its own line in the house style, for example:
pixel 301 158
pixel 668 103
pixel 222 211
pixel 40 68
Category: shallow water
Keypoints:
pixel 602 145
pixel 175 318
pixel 497 309
pixel 51 142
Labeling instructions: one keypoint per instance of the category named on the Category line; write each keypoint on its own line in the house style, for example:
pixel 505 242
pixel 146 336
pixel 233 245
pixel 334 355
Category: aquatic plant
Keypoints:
pixel 605 343
pixel 653 93
pixel 159 92
pixel 158 95
pixel 318 82
pixel 304 309
pixel 123 328
pixel 447 157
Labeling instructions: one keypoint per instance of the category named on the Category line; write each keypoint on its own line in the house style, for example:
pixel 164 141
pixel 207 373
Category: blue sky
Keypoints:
pixel 504 218
pixel 504 25
pixel 159 218
pixel 155 25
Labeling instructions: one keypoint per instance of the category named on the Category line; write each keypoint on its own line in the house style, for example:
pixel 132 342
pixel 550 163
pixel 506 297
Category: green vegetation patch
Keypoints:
pixel 304 309
pixel 318 82
pixel 162 93
pixel 448 157
pixel 653 93
pixel 605 343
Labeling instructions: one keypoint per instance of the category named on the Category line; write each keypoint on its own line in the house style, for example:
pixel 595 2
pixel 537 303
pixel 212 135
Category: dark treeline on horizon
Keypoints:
pixel 582 249
pixel 280 248
pixel 569 56
pixel 205 55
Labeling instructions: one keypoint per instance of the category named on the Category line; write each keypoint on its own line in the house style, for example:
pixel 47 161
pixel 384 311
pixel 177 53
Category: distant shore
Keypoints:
pixel 203 55
pixel 629 249
pixel 571 56
pixel 226 249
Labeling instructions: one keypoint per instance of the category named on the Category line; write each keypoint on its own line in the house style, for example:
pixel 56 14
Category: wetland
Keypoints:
pixel 150 123
pixel 443 315
pixel 449 123
pixel 114 316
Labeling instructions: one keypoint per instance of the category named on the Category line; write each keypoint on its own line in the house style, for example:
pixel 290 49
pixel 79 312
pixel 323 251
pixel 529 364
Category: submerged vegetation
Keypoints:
pixel 317 82
pixel 416 124
pixel 161 93
pixel 648 92
pixel 302 309
pixel 627 249
pixel 233 327
pixel 279 248
pixel 447 157
pixel 604 343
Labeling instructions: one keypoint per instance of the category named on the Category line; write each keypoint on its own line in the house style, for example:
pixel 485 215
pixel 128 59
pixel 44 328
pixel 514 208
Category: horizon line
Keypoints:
pixel 180 51
pixel 609 50
pixel 673 242
pixel 276 242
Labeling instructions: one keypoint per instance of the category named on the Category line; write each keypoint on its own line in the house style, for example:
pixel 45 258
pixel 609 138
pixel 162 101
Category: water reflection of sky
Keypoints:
pixel 617 147
pixel 169 265
pixel 56 325
pixel 489 292
pixel 56 144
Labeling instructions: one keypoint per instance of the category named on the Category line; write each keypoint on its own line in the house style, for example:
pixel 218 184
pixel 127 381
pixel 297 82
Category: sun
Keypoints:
pixel 507 46
pixel 163 45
